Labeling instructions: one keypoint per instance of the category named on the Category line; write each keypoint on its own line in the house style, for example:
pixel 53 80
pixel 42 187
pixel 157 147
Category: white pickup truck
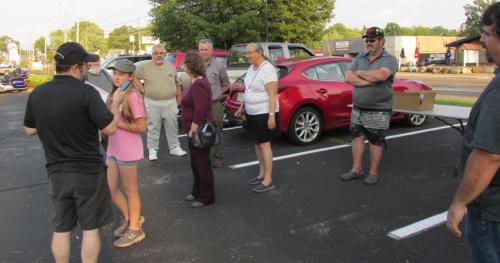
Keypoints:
pixel 237 63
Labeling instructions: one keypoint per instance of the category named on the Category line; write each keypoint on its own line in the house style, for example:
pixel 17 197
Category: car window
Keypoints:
pixel 346 65
pixel 237 56
pixel 170 57
pixel 283 71
pixel 327 71
pixel 299 52
pixel 111 63
pixel 275 52
pixel 222 60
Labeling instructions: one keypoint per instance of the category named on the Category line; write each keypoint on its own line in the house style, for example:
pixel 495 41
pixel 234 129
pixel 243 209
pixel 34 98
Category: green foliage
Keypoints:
pixel 182 23
pixel 37 80
pixel 119 38
pixel 340 31
pixel 473 12
pixel 91 37
pixel 393 29
pixel 4 40
pixel 456 102
pixel 40 44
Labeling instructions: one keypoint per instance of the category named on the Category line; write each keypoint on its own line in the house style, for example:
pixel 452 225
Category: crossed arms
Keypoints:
pixel 363 78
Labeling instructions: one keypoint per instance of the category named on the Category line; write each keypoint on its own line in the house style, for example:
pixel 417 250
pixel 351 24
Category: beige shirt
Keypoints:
pixel 159 82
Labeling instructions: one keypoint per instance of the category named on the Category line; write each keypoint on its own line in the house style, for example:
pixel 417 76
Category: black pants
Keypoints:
pixel 203 185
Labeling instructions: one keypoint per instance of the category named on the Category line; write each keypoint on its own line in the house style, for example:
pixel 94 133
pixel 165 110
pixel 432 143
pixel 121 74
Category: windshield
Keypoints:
pixel 237 57
pixel 105 62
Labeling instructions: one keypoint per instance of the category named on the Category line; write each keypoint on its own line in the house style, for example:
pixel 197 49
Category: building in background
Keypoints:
pixel 468 52
pixel 415 50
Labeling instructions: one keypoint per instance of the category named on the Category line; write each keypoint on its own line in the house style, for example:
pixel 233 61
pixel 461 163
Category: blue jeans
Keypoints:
pixel 483 236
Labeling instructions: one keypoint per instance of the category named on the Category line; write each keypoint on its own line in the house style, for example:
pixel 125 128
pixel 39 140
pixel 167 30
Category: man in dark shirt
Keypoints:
pixel 478 196
pixel 371 74
pixel 67 115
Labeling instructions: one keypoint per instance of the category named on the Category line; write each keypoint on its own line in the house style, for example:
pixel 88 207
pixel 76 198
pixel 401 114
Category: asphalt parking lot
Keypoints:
pixel 311 217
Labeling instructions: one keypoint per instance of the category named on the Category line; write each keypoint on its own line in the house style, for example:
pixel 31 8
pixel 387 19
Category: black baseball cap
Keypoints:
pixel 71 53
pixel 374 32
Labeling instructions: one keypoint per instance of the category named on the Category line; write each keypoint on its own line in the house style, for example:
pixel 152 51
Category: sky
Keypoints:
pixel 27 20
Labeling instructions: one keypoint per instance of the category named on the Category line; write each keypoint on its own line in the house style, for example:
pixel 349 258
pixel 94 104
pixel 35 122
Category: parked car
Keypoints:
pixel 14 81
pixel 237 63
pixel 313 96
pixel 177 59
pixel 109 62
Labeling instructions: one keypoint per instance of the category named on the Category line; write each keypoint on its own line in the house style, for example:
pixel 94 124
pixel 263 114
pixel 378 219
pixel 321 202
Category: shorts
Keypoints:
pixel 257 128
pixel 372 124
pixel 82 198
pixel 122 163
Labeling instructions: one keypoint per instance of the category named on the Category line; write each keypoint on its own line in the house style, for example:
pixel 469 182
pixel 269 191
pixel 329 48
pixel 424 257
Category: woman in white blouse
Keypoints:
pixel 261 108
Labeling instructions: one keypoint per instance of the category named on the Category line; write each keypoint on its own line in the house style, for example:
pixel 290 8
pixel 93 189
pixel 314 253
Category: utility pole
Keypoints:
pixel 139 34
pixel 65 21
pixel 78 23
pixel 267 24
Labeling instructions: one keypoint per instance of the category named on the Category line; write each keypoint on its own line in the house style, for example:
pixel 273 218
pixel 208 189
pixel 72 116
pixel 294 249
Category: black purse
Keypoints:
pixel 206 136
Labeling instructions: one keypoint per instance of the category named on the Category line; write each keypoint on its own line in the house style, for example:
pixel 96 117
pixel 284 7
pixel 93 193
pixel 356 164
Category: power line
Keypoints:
pixel 121 12
pixel 124 22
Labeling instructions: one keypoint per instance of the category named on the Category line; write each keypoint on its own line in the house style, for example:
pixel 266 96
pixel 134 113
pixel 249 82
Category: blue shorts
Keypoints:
pixel 123 163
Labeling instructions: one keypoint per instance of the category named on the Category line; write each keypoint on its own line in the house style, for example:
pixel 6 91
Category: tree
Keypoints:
pixel 40 44
pixel 182 23
pixel 340 31
pixel 473 12
pixel 119 38
pixel 91 37
pixel 392 29
pixel 4 40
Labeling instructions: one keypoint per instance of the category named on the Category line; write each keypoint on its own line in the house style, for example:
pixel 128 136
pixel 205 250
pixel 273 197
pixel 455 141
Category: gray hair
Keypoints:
pixel 159 46
pixel 206 41
pixel 258 48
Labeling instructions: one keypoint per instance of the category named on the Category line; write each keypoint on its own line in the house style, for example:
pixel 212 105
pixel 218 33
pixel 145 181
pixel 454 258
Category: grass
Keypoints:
pixel 456 102
pixel 36 80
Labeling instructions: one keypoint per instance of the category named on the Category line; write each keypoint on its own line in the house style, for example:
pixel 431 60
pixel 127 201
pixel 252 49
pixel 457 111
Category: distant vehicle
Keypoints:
pixel 6 68
pixel 14 81
pixel 237 63
pixel 313 97
pixel 110 62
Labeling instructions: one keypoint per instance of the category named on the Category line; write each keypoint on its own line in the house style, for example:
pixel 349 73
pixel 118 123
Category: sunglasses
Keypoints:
pixel 370 40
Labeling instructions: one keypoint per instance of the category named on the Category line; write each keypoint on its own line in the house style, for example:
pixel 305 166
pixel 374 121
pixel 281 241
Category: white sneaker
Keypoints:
pixel 177 151
pixel 153 155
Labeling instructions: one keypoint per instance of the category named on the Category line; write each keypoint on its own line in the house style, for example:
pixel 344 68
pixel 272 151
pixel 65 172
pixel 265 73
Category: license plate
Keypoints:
pixel 241 96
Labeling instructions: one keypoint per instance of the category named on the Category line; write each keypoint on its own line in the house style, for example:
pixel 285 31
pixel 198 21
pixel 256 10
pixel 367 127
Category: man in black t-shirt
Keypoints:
pixel 67 115
pixel 478 196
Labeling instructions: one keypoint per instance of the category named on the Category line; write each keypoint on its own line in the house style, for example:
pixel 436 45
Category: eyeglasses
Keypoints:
pixel 370 40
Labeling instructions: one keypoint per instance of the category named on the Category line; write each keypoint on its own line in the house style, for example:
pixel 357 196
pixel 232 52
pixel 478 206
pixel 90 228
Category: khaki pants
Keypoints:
pixel 218 113
pixel 162 111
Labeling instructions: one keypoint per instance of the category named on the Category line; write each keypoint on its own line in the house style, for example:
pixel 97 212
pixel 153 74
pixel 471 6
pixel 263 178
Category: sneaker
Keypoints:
pixel 189 198
pixel 262 188
pixel 351 175
pixel 122 228
pixel 218 164
pixel 254 181
pixel 177 151
pixel 372 179
pixel 197 204
pixel 129 238
pixel 153 155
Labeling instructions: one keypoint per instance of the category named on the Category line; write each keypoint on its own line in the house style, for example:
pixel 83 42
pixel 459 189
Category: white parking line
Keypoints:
pixel 226 129
pixel 419 226
pixel 338 147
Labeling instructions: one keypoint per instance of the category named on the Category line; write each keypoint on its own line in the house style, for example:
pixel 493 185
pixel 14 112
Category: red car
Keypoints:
pixel 313 96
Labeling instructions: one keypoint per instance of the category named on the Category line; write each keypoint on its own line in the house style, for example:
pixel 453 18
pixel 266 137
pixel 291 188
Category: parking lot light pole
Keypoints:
pixel 267 23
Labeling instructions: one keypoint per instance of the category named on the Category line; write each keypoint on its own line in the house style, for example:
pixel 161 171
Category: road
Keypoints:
pixel 464 85
pixel 311 217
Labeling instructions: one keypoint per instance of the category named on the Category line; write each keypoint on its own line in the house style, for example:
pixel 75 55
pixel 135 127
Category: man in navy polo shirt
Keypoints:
pixel 371 73
pixel 67 115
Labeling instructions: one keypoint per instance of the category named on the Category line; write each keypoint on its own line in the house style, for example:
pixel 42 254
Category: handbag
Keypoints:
pixel 206 136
